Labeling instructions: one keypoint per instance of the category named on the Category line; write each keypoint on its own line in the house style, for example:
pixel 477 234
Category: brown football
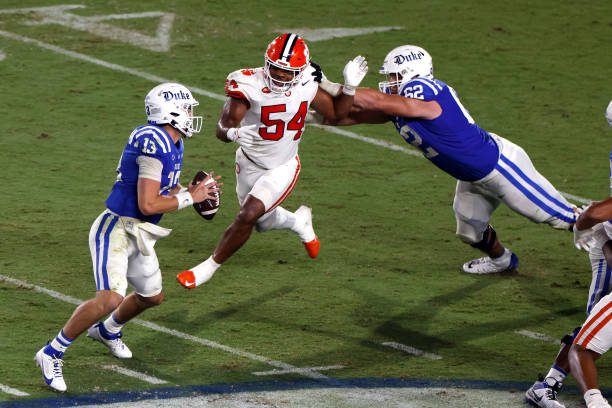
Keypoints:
pixel 207 208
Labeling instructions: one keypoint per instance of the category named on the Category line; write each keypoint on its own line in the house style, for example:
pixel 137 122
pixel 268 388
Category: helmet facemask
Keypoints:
pixel 277 84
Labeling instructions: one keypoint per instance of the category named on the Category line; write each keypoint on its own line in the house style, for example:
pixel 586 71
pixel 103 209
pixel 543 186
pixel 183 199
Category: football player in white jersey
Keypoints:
pixel 122 238
pixel 595 335
pixel 489 169
pixel 594 235
pixel 265 114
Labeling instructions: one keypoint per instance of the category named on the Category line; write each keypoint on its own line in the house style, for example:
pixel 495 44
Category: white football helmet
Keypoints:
pixel 172 103
pixel 403 64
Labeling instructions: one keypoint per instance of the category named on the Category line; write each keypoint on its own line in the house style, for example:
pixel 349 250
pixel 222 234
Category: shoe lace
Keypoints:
pixel 57 367
pixel 551 391
pixel 479 261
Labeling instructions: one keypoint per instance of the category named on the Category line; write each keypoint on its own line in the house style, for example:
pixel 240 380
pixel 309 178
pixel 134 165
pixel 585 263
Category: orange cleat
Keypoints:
pixel 312 247
pixel 187 279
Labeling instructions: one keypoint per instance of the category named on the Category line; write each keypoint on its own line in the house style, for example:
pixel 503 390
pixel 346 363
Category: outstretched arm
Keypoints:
pixel 367 99
pixel 597 212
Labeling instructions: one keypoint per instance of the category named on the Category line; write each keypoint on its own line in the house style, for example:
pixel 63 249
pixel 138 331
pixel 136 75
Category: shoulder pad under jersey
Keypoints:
pixel 242 84
pixel 422 88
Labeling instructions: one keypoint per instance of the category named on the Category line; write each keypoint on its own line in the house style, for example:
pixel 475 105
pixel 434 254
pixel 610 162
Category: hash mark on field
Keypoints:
pixel 134 374
pixel 411 350
pixel 537 336
pixel 205 342
pixel 212 95
pixel 12 391
pixel 298 370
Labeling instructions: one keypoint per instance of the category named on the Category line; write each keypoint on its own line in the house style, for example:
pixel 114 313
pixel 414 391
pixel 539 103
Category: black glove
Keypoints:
pixel 318 73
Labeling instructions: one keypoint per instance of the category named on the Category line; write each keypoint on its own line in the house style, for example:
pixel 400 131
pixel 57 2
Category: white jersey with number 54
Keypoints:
pixel 280 117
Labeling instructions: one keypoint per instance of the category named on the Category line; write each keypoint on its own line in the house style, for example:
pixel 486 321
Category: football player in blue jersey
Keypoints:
pixel 489 169
pixel 122 238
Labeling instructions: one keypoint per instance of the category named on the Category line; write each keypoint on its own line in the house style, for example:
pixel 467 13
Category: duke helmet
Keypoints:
pixel 403 64
pixel 173 104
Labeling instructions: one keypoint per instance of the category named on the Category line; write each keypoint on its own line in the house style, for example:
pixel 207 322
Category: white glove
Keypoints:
pixel 609 114
pixel 233 134
pixel 354 72
pixel 583 239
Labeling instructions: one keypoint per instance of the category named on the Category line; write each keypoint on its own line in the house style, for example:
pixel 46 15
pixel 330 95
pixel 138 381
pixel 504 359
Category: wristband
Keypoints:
pixel 232 134
pixel 184 199
pixel 330 87
pixel 348 90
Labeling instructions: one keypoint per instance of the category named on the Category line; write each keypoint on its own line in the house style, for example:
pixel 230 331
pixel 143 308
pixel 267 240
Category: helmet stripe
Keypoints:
pixel 287 49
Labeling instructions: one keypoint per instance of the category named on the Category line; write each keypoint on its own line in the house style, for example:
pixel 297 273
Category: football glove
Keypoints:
pixel 354 72
pixel 317 73
pixel 233 134
pixel 583 240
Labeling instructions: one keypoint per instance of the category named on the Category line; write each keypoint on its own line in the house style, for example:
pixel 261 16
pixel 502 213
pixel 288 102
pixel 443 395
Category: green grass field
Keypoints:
pixel 537 73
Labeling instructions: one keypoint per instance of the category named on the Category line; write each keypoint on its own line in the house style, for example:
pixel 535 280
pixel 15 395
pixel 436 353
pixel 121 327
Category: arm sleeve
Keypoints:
pixel 149 168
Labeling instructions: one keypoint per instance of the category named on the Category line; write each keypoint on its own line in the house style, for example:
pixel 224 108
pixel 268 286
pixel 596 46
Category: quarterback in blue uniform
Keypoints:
pixel 122 238
pixel 489 169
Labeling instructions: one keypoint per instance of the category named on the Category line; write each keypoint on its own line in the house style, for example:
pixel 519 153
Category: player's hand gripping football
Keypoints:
pixel 354 72
pixel 206 189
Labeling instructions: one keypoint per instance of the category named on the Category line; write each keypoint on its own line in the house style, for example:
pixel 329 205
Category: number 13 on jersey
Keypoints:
pixel 279 126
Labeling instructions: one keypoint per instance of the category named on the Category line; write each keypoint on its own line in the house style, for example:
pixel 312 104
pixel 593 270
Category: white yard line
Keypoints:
pixel 298 370
pixel 198 340
pixel 12 391
pixel 411 350
pixel 537 336
pixel 200 91
pixel 134 374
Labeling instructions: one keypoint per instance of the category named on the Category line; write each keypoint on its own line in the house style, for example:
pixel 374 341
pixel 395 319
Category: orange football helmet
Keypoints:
pixel 287 57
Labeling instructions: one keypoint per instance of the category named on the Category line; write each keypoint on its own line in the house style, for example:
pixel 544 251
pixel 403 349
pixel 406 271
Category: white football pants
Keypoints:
pixel 515 182
pixel 117 259
pixel 272 186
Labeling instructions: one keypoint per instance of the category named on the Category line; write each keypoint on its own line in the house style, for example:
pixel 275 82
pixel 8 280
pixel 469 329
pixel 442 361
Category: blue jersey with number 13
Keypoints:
pixel 151 141
pixel 452 141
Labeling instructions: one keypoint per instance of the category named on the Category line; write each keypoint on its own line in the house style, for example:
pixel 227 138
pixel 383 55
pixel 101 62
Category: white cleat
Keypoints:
pixel 543 394
pixel 487 265
pixel 113 341
pixel 51 368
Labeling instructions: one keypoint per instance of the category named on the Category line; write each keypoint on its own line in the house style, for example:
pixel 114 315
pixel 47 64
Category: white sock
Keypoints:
pixel 503 260
pixel 61 342
pixel 113 326
pixel 592 397
pixel 556 373
pixel 277 219
pixel 204 271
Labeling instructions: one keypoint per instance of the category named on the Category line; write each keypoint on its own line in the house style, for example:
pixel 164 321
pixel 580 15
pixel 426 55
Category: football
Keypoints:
pixel 207 208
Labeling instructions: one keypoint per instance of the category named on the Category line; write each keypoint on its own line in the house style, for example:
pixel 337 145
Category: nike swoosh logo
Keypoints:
pixel 187 283
pixel 304 83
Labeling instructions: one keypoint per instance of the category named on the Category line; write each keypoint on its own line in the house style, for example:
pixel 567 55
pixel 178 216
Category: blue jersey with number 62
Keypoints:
pixel 151 141
pixel 452 141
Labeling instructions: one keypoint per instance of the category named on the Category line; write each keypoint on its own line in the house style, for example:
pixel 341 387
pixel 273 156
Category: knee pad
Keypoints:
pixel 488 240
